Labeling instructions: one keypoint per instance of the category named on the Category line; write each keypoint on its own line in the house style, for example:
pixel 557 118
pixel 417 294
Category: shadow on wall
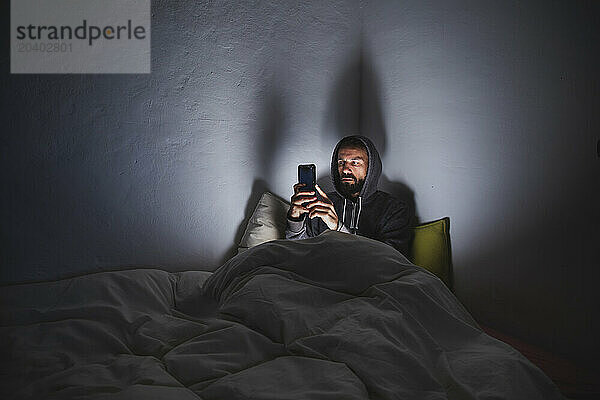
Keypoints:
pixel 270 128
pixel 342 116
pixel 356 107
pixel 258 188
pixel 269 131
pixel 373 126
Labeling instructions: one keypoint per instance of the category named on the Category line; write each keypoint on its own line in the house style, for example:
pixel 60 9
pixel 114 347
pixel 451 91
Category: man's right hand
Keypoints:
pixel 299 198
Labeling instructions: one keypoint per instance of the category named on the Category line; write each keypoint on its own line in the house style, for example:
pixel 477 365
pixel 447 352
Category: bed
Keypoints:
pixel 332 317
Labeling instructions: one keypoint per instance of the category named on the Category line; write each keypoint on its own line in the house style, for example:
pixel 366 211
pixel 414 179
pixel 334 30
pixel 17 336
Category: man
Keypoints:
pixel 356 206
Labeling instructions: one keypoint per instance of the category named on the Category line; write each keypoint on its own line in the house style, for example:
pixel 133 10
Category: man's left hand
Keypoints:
pixel 323 209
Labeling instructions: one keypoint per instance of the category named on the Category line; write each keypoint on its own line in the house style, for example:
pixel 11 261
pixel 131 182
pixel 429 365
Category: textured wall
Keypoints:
pixel 483 112
pixel 161 169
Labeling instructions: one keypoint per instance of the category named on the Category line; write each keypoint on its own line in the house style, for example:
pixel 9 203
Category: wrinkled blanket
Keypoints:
pixel 332 317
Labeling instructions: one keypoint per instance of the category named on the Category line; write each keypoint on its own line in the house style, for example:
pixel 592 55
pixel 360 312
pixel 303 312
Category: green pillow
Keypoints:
pixel 431 248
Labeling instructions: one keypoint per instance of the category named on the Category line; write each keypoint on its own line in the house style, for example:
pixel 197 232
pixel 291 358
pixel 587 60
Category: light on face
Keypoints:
pixel 354 161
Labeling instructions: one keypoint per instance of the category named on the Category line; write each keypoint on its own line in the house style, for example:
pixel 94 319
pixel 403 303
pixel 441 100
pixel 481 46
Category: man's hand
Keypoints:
pixel 323 209
pixel 299 201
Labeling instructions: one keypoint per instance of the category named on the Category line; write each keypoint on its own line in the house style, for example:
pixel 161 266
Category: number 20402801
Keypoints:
pixel 49 47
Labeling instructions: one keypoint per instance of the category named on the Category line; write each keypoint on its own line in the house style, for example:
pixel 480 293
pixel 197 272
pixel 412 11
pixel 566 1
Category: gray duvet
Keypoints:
pixel 332 317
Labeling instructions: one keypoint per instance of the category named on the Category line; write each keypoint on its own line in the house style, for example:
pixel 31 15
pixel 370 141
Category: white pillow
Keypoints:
pixel 268 222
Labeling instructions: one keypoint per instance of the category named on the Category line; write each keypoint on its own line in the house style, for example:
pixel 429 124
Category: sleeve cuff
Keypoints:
pixel 295 226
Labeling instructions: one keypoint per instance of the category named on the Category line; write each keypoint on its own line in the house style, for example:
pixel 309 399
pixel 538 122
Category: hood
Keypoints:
pixel 373 171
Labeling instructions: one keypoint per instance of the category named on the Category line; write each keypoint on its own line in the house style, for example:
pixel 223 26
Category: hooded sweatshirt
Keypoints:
pixel 374 214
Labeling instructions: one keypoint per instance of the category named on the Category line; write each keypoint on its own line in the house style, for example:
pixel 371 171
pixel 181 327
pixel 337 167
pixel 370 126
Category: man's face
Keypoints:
pixel 352 165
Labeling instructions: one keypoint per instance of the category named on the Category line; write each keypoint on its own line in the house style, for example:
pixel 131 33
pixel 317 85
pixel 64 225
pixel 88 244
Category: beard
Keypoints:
pixel 347 189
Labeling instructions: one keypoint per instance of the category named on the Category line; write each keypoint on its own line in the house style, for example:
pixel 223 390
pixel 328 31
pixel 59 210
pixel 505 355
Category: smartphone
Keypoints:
pixel 307 174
